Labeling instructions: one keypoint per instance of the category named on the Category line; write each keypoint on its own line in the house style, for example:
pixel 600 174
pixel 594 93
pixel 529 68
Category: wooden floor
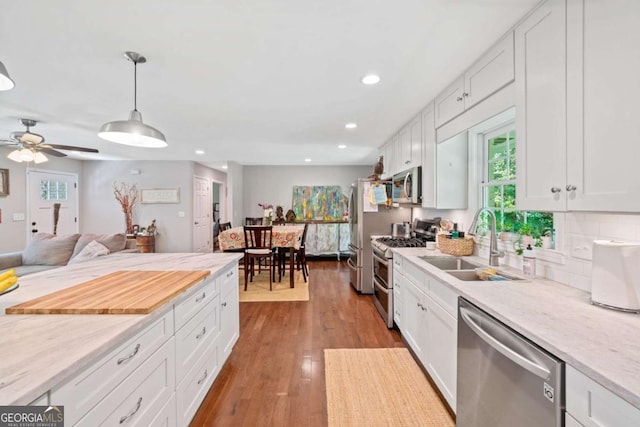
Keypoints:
pixel 275 374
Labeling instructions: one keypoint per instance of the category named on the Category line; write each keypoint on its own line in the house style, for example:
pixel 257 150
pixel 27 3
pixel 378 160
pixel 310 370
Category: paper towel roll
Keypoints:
pixel 615 277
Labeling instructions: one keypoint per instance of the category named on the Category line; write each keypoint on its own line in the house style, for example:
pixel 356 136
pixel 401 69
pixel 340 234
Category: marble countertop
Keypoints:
pixel 38 352
pixel 603 344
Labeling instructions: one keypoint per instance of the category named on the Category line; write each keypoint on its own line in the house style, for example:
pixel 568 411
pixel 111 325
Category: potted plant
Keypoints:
pixel 525 233
pixel 545 238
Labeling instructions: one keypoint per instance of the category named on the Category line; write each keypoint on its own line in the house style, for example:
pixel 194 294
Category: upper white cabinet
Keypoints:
pixel 602 122
pixel 492 71
pixel 541 109
pixel 410 145
pixel 444 167
pixel 576 122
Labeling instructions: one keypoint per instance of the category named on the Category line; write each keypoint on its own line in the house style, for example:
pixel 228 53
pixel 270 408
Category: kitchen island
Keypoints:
pixel 43 354
pixel 597 344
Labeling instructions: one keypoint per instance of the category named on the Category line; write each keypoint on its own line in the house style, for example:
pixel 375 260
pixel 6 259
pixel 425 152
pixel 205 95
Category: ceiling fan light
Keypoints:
pixel 133 132
pixel 38 157
pixel 15 156
pixel 26 155
pixel 5 81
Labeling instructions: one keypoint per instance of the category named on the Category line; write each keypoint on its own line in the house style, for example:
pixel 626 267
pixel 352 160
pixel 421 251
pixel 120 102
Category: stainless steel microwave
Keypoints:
pixel 407 186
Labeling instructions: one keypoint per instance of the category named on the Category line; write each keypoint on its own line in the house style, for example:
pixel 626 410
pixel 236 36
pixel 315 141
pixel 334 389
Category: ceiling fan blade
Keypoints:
pixel 53 152
pixel 71 147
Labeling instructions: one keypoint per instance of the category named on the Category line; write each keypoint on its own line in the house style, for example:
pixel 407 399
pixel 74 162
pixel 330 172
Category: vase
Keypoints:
pixel 128 222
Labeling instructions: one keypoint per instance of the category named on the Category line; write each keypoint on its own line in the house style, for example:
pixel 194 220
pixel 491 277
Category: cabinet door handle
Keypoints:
pixel 203 377
pixel 571 187
pixel 459 99
pixel 200 298
pixel 229 274
pixel 555 190
pixel 133 353
pixel 465 94
pixel 201 334
pixel 132 413
pixel 224 304
pixel 420 305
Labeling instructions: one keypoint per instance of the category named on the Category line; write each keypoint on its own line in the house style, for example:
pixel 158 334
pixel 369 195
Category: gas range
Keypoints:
pixel 383 245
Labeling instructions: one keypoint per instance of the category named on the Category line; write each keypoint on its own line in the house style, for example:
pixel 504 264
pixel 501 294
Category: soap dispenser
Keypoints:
pixel 529 262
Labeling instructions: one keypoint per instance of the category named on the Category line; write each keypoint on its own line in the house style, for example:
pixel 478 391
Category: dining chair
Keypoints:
pixel 258 246
pixel 225 226
pixel 300 257
pixel 216 233
pixel 253 221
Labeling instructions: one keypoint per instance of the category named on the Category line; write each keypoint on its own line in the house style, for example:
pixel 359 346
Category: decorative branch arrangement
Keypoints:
pixel 127 195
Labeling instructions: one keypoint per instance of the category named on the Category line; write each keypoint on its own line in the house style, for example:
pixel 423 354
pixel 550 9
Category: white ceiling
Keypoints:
pixel 257 82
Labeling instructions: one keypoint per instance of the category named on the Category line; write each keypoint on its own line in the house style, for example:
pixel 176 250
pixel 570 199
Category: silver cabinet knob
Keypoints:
pixel 459 99
pixel 571 187
pixel 555 190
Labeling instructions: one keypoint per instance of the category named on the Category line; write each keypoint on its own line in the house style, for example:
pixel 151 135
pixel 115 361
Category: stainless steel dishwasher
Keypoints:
pixel 504 380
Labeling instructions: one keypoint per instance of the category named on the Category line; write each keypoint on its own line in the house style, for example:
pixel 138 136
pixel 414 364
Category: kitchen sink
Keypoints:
pixel 450 263
pixel 472 276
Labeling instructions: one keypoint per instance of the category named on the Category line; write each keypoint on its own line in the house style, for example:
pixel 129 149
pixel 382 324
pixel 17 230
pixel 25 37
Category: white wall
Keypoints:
pixel 13 235
pixel 235 186
pixel 274 184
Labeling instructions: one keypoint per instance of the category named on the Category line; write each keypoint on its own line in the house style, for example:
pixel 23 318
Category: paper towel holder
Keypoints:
pixel 615 275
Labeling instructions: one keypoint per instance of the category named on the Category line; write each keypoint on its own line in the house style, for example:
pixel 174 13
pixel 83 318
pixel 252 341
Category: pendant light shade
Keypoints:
pixel 5 81
pixel 133 131
pixel 27 155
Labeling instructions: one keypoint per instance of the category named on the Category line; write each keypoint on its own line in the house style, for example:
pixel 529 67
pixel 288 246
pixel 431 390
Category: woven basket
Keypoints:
pixel 455 246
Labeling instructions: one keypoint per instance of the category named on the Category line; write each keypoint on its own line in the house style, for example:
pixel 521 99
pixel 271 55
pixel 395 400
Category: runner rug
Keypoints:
pixel 258 290
pixel 380 387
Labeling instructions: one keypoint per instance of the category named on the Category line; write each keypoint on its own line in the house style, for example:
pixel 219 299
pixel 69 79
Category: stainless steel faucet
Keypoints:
pixel 494 253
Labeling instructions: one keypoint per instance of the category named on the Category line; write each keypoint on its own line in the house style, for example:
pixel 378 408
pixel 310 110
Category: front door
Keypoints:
pixel 53 202
pixel 202 230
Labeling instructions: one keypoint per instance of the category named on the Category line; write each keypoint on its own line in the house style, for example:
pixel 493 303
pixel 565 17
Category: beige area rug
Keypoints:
pixel 258 290
pixel 380 387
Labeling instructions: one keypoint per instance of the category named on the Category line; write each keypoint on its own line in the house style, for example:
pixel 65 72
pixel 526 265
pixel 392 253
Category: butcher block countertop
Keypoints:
pixel 121 292
pixel 40 352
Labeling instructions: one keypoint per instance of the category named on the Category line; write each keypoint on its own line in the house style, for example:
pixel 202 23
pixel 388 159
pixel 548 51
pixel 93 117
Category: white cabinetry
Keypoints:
pixel 160 376
pixel 428 316
pixel 487 75
pixel 576 151
pixel 428 157
pixel 591 405
pixel 410 145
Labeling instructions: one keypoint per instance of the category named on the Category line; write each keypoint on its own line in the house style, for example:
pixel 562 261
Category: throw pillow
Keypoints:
pixel 92 250
pixel 48 249
pixel 113 242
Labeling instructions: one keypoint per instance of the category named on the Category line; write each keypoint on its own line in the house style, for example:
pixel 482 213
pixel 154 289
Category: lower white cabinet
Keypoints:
pixel 137 400
pixel 160 376
pixel 429 324
pixel 592 405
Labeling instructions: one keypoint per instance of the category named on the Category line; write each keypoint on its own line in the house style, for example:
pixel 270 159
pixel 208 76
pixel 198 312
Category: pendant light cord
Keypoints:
pixel 135 85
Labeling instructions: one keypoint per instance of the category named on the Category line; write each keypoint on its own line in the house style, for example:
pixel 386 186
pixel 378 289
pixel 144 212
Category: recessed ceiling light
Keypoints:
pixel 199 152
pixel 307 160
pixel 351 125
pixel 370 79
pixel 342 146
pixel 224 166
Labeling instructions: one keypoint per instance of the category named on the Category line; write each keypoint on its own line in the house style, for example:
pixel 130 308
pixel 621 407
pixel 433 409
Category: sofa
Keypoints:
pixel 47 251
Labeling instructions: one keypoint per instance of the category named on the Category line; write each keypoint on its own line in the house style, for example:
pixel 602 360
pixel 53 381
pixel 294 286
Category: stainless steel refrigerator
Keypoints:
pixel 363 224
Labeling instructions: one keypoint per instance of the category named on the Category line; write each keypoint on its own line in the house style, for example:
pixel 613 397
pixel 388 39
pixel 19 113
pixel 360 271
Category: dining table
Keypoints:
pixel 282 236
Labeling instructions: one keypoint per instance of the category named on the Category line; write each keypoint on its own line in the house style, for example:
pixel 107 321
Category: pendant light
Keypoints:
pixel 133 131
pixel 5 81
pixel 27 155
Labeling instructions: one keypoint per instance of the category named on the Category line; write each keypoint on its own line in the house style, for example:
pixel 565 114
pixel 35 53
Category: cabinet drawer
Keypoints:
pixel 87 389
pixel 139 398
pixel 202 295
pixel 192 390
pixel 397 262
pixel 167 415
pixel 443 295
pixel 415 275
pixel 397 307
pixel 195 336
pixel 228 279
pixel 593 405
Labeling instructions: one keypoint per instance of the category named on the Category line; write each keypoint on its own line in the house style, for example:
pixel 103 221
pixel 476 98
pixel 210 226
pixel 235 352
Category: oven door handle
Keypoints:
pixel 515 357
pixel 351 264
pixel 381 287
pixel 382 261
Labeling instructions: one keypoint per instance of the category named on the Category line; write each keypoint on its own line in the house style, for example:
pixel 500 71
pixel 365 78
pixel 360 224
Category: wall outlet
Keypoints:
pixel 582 247
pixel 180 214
pixel 18 217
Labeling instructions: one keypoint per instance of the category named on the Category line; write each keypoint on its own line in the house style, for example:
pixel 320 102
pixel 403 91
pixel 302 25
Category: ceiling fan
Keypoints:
pixel 30 146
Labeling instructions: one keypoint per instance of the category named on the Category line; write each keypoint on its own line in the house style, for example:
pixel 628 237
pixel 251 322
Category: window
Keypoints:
pixel 53 190
pixel 499 186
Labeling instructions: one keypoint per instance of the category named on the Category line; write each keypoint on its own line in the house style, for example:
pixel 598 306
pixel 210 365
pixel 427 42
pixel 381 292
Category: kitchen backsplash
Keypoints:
pixel 570 263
